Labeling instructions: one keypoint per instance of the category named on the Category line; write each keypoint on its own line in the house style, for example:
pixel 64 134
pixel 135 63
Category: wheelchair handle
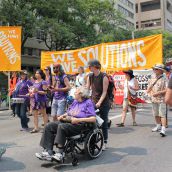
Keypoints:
pixel 97 110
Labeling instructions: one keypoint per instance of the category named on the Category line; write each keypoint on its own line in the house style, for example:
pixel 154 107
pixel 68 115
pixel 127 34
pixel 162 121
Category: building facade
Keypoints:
pixel 154 14
pixel 127 9
pixel 31 55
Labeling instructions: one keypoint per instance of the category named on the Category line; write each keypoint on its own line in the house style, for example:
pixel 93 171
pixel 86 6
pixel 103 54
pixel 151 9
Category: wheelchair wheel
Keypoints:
pixel 93 144
pixel 75 162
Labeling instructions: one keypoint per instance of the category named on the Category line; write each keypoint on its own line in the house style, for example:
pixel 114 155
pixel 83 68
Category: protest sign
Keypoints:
pixel 10 48
pixel 135 54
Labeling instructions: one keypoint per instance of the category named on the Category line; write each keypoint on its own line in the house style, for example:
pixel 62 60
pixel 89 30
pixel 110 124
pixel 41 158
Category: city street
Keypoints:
pixel 130 149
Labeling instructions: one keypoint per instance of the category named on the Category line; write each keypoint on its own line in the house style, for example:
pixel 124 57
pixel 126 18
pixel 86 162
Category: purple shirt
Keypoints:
pixel 59 83
pixel 48 81
pixel 83 109
pixel 39 86
pixel 23 88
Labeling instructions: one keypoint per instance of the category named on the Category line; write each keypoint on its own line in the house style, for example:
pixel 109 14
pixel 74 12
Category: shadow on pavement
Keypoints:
pixel 112 155
pixel 9 164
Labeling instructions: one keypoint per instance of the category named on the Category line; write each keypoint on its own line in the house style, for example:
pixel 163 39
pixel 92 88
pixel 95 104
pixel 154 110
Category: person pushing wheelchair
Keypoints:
pixel 70 124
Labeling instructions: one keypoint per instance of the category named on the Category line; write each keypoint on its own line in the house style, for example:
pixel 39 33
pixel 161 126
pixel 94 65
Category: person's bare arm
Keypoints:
pixel 65 89
pixel 91 119
pixel 88 84
pixel 105 87
pixel 168 96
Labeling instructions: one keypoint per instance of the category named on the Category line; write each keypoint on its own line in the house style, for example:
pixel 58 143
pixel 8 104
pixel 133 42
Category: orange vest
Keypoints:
pixel 13 82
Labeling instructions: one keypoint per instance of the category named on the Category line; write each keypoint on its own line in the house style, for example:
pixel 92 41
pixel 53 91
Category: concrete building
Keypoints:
pixel 154 14
pixel 31 55
pixel 127 9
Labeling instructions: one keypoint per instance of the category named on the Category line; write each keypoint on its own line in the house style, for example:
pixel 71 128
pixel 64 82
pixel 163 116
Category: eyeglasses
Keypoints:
pixel 155 69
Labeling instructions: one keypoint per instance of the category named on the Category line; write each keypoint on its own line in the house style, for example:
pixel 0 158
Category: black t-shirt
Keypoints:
pixel 170 83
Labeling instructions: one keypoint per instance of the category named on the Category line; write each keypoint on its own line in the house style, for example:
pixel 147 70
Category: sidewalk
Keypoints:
pixel 4 108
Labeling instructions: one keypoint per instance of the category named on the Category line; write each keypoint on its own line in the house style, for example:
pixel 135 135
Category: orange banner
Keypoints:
pixel 10 48
pixel 140 53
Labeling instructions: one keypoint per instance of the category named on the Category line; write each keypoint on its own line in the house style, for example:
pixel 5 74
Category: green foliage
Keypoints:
pixel 76 23
pixel 19 13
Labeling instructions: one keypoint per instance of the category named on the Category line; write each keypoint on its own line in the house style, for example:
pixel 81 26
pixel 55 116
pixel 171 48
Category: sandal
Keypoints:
pixel 120 125
pixel 134 124
pixel 34 131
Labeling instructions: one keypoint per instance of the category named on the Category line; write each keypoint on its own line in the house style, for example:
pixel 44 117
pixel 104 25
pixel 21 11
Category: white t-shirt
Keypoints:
pixel 130 83
pixel 80 80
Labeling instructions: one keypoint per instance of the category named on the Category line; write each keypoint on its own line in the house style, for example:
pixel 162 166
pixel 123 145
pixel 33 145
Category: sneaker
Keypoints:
pixel 157 128
pixel 162 133
pixel 104 147
pixel 58 156
pixel 134 124
pixel 24 129
pixel 2 151
pixel 120 125
pixel 44 156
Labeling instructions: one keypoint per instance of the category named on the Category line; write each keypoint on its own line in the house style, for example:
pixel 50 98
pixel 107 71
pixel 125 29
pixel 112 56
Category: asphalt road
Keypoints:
pixel 130 149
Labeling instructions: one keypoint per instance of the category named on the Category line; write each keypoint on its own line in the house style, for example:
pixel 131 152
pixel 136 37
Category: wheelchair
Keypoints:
pixel 89 142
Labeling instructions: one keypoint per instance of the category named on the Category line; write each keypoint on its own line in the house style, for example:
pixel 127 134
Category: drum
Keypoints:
pixel 17 100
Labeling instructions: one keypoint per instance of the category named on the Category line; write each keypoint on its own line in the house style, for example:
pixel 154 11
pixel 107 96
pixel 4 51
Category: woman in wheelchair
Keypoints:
pixel 70 124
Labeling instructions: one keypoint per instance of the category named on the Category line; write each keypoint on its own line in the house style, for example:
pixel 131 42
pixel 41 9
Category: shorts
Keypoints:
pixel 58 107
pixel 159 109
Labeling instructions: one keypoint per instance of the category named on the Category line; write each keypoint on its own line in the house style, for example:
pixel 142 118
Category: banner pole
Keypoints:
pixel 9 99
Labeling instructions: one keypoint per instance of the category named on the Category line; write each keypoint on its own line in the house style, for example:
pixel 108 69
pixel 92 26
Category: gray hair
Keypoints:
pixel 85 92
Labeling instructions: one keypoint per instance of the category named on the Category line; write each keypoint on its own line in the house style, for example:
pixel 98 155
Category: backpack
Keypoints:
pixel 111 86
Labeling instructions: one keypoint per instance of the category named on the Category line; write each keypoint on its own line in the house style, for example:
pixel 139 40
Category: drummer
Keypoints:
pixel 21 92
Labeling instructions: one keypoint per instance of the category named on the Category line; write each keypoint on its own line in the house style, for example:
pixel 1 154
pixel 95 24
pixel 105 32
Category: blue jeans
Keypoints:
pixel 104 110
pixel 20 110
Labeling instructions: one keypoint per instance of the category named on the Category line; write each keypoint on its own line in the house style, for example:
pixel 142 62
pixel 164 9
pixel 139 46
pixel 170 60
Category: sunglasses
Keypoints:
pixel 55 67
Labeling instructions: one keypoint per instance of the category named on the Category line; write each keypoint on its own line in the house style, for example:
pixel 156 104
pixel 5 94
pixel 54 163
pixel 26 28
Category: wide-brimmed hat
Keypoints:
pixel 159 66
pixel 24 72
pixel 129 72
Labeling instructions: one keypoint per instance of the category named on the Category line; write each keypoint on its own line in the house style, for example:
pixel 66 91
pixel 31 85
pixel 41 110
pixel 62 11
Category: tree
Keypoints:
pixel 19 13
pixel 76 23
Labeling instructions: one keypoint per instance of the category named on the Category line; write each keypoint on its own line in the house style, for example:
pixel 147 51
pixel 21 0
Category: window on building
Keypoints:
pixel 169 7
pixel 30 51
pixel 169 23
pixel 127 3
pixel 136 8
pixel 137 25
pixel 125 12
pixel 150 5
pixel 150 23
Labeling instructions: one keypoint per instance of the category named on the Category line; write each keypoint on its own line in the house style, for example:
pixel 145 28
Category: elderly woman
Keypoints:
pixel 71 123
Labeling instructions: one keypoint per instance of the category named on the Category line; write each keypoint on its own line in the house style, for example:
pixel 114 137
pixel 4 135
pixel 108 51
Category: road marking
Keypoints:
pixel 117 116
